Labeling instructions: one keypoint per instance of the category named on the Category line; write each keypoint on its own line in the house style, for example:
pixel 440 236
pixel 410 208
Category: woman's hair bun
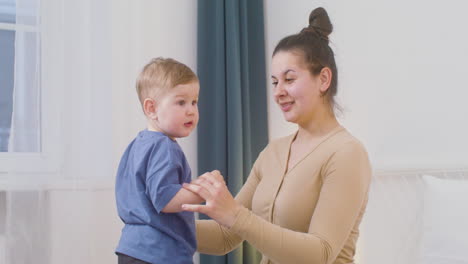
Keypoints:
pixel 320 23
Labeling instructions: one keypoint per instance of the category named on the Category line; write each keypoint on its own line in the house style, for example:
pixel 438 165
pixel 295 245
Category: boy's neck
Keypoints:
pixel 151 127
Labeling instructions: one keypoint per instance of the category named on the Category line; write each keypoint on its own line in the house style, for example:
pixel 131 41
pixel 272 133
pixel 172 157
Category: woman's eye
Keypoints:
pixel 288 80
pixel 274 83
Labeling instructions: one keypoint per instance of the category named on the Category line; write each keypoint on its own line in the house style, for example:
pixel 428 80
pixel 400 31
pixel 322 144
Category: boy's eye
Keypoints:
pixel 181 102
pixel 194 102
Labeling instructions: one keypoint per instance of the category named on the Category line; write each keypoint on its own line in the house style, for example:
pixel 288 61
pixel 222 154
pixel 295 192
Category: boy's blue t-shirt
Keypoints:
pixel 150 173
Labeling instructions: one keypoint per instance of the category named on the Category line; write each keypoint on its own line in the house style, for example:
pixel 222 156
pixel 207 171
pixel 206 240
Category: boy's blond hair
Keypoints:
pixel 161 74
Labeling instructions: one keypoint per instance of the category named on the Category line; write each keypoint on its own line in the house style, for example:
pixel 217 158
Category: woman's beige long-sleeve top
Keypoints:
pixel 308 214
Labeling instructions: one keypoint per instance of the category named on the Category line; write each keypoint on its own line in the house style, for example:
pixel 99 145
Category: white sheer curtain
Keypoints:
pixel 68 215
pixel 24 210
pixel 92 52
pixel 26 118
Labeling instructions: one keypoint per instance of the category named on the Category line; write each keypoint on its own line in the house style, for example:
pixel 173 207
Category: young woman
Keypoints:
pixel 307 192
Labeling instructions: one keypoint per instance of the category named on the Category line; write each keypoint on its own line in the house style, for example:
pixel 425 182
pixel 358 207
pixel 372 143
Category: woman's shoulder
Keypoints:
pixel 345 148
pixel 345 141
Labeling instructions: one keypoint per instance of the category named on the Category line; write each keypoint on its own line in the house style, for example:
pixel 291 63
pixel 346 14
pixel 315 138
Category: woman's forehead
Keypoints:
pixel 286 62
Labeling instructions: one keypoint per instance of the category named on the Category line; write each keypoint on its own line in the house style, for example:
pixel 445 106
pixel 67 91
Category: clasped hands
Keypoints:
pixel 220 205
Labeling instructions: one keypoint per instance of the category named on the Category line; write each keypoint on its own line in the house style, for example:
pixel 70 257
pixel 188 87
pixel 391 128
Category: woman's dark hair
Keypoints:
pixel 312 43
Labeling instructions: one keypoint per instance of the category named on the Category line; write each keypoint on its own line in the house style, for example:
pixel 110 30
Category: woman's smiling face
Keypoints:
pixel 296 90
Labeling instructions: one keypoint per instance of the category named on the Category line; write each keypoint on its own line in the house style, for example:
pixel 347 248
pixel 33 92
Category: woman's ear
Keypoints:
pixel 325 77
pixel 150 107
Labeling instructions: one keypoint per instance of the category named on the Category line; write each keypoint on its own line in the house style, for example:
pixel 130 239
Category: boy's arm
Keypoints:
pixel 183 196
pixel 164 179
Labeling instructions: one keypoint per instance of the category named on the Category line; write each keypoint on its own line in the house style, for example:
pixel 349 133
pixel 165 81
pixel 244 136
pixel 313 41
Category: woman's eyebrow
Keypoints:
pixel 287 71
pixel 284 73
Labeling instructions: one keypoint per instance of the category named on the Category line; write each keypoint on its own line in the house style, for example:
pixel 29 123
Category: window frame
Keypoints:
pixel 51 79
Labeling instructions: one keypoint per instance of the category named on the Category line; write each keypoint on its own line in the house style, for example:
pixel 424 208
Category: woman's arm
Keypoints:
pixel 344 191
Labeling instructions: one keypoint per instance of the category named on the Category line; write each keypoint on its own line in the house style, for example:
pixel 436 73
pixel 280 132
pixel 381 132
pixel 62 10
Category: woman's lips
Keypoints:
pixel 285 107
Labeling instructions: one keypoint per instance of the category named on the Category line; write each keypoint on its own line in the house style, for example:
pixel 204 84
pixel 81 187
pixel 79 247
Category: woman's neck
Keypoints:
pixel 317 128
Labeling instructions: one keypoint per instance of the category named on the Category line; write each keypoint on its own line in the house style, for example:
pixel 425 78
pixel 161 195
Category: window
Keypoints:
pixel 29 110
pixel 20 102
pixel 7 50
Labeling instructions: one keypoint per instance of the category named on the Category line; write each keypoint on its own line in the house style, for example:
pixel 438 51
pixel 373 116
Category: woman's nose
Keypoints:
pixel 279 90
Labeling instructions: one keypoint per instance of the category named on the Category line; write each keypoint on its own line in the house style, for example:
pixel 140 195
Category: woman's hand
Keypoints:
pixel 220 205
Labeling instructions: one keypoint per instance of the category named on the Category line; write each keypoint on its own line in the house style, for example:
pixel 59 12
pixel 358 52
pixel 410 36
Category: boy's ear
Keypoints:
pixel 151 108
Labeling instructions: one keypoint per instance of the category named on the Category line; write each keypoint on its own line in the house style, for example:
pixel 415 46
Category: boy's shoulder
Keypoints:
pixel 154 138
pixel 158 145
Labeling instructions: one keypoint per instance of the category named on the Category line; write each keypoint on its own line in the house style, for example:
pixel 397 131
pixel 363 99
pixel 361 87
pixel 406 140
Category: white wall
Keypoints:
pixel 84 226
pixel 402 76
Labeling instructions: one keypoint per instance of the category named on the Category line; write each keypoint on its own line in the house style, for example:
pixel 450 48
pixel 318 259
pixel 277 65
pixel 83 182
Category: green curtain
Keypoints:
pixel 233 126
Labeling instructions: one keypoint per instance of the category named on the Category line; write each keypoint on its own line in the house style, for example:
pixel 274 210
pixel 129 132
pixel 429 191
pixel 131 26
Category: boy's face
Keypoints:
pixel 177 110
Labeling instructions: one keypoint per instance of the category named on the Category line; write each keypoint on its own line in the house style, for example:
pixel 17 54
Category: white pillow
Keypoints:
pixel 445 221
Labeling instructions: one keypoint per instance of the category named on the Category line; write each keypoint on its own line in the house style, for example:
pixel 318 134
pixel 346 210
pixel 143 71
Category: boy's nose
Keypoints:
pixel 191 110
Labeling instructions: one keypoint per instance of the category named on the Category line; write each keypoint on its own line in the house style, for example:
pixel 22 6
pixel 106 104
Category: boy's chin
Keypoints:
pixel 182 135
